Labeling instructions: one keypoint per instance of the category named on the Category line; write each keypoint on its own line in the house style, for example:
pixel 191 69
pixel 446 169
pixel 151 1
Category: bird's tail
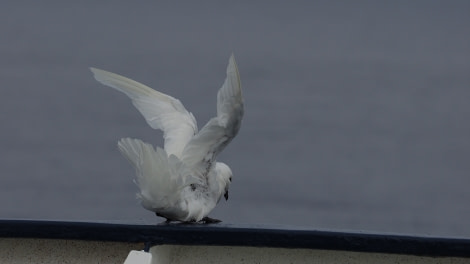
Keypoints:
pixel 157 175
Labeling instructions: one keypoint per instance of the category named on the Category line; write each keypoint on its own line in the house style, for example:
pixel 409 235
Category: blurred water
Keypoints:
pixel 356 113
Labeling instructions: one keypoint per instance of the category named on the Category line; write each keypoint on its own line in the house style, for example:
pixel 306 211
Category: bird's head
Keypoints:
pixel 224 178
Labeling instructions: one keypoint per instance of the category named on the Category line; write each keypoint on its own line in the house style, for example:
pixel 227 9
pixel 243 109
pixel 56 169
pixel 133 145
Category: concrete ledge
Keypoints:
pixel 175 254
pixel 27 250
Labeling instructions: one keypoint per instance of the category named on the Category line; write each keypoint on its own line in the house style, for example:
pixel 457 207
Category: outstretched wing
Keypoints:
pixel 203 148
pixel 161 111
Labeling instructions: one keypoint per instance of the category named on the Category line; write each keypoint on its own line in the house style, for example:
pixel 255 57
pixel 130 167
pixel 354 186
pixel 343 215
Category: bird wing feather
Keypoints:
pixel 161 111
pixel 202 150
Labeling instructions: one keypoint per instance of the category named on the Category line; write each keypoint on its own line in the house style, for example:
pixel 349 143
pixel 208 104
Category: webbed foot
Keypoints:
pixel 208 220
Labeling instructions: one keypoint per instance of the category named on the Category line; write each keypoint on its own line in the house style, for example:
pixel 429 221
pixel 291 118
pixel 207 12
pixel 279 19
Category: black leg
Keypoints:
pixel 208 220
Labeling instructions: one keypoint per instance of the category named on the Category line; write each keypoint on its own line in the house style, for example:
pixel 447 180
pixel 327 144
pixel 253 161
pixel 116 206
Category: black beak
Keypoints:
pixel 226 195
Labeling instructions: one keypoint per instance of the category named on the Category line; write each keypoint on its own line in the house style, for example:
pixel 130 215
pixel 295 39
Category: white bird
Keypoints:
pixel 183 181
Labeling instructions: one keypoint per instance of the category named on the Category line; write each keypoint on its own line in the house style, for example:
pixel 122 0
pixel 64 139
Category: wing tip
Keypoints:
pixel 232 70
pixel 98 74
pixel 94 70
pixel 231 60
pixel 232 66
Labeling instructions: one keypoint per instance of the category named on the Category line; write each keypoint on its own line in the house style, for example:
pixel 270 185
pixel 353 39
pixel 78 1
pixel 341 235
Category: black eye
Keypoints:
pixel 230 179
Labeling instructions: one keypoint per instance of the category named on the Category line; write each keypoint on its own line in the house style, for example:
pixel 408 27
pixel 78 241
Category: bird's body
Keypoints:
pixel 183 181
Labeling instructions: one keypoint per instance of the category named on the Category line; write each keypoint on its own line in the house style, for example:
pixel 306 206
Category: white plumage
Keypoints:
pixel 183 181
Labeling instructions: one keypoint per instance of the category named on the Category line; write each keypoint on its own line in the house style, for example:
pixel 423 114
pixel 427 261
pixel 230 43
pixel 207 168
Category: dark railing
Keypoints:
pixel 236 235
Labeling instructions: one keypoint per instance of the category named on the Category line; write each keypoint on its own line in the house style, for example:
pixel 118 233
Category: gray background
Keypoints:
pixel 357 113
